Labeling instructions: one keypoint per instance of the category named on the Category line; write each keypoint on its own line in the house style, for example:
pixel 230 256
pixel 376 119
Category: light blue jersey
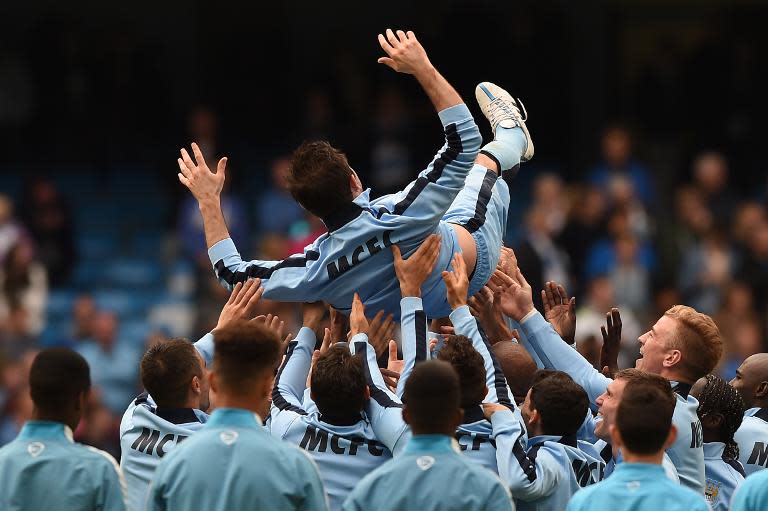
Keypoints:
pixel 611 460
pixel 234 463
pixel 354 255
pixel 723 476
pixel 752 437
pixel 637 487
pixel 686 453
pixel 752 495
pixel 344 448
pixel 544 472
pixel 149 432
pixel 44 469
pixel 431 475
pixel 475 434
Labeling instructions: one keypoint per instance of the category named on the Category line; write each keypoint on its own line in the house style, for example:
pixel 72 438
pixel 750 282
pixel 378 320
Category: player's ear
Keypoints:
pixel 195 385
pixel 616 440
pixel 671 437
pixel 761 390
pixel 406 415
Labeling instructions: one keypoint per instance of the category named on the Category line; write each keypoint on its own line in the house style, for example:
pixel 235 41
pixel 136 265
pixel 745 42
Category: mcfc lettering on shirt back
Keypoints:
pixel 752 437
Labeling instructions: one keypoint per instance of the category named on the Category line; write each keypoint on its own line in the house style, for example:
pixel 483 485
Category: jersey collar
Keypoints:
pixel 235 417
pixel 714 450
pixel 681 389
pixel 631 471
pixel 47 429
pixel 347 212
pixel 420 444
pixel 177 415
pixel 473 414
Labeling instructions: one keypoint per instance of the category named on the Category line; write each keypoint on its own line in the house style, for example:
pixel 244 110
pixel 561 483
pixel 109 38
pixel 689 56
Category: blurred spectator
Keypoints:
pixel 276 210
pixel 630 279
pixel 539 258
pixel 83 316
pixel 591 316
pixel 203 127
pixel 47 216
pixel 706 268
pixel 304 233
pixel 10 229
pixel 16 407
pixel 585 226
pixel 391 161
pixel 603 257
pixel 754 269
pixel 23 291
pixel 737 309
pixel 710 174
pixel 617 162
pixel 114 365
pixel 746 341
pixel 549 196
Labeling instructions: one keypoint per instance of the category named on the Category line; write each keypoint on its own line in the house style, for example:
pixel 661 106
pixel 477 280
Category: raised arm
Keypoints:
pixel 430 195
pixel 384 408
pixel 527 477
pixel 411 273
pixel 517 302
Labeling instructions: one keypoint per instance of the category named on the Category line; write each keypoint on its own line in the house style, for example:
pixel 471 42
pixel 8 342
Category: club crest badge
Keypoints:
pixel 425 462
pixel 711 490
pixel 229 437
pixel 35 449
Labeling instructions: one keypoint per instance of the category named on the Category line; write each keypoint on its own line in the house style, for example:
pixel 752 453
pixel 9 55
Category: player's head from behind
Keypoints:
pixel 608 401
pixel 721 410
pixel 518 367
pixel 174 374
pixel 751 381
pixel 643 427
pixel 338 386
pixel 431 399
pixel 555 405
pixel 244 358
pixel 468 364
pixel 59 383
pixel 321 180
pixel 683 345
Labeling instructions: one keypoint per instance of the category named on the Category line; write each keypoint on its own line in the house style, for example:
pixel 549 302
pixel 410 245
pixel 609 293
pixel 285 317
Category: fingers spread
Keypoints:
pixel 385 45
pixel 392 39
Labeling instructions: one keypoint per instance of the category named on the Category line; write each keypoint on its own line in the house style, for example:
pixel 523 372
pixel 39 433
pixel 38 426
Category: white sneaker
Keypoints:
pixel 503 110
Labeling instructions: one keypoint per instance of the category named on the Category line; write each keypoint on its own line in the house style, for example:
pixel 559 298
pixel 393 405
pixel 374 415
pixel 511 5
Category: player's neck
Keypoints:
pixel 651 459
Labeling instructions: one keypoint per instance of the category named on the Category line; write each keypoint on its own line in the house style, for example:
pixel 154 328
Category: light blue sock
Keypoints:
pixel 506 148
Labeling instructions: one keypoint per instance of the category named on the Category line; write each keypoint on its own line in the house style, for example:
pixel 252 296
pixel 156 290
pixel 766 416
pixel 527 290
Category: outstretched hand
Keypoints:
pixel 487 309
pixel 242 302
pixel 412 272
pixel 609 353
pixel 381 331
pixel 358 323
pixel 405 53
pixel 514 293
pixel 456 282
pixel 195 175
pixel 560 310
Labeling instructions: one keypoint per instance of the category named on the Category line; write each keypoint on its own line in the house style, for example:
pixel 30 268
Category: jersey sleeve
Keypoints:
pixel 465 324
pixel 315 498
pixel 527 477
pixel 499 499
pixel 556 354
pixel 430 195
pixel 282 280
pixel 291 379
pixel 413 331
pixel 204 346
pixel 384 408
pixel 112 492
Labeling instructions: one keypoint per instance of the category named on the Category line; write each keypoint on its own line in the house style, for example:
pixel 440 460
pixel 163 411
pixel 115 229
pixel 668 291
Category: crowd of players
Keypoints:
pixel 489 407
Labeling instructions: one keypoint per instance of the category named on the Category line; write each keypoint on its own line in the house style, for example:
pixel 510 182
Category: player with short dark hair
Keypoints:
pixel 721 411
pixel 234 451
pixel 643 430
pixel 430 474
pixel 546 470
pixel 518 367
pixel 175 400
pixel 43 468
pixel 338 383
pixel 751 381
pixel 458 196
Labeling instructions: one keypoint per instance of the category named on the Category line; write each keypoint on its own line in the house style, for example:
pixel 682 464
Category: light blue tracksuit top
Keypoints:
pixel 430 475
pixel 637 487
pixel 686 453
pixel 723 476
pixel 752 437
pixel 43 469
pixel 475 434
pixel 344 448
pixel 148 433
pixel 752 495
pixel 234 463
pixel 354 256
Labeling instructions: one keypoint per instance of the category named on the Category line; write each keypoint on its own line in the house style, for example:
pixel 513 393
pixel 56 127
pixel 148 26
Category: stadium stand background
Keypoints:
pixel 96 99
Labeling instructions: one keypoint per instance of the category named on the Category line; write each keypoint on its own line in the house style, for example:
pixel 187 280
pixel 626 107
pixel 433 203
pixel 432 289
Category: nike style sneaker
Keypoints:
pixel 503 110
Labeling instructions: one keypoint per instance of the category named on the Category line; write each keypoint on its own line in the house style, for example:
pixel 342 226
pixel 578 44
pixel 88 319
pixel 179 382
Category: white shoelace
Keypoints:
pixel 500 110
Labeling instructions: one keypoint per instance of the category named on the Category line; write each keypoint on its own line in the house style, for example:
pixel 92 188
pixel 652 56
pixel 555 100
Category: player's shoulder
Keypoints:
pixel 96 458
pixel 683 493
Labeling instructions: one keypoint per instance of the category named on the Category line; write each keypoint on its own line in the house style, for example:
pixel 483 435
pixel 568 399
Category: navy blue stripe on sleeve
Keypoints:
pixel 446 157
pixel 499 380
pixel 378 395
pixel 420 323
pixel 527 463
pixel 277 398
pixel 256 271
pixel 483 198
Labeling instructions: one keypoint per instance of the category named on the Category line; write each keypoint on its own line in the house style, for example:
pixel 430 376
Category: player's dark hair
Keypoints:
pixel 719 397
pixel 244 351
pixel 319 178
pixel 432 396
pixel 338 383
pixel 167 368
pixel 57 379
pixel 561 402
pixel 468 364
pixel 644 416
